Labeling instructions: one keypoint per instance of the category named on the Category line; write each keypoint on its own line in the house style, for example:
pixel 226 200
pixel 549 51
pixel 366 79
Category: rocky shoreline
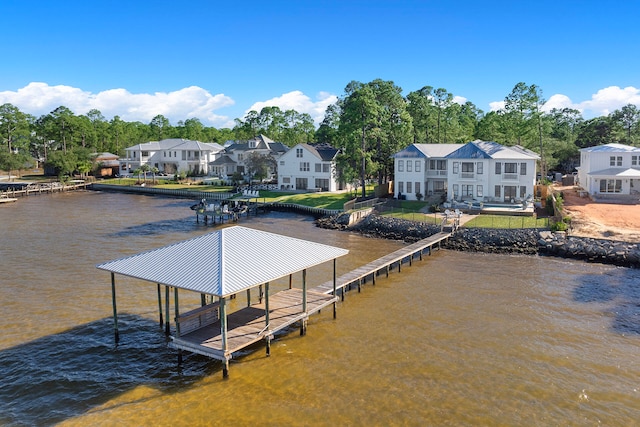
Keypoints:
pixel 488 240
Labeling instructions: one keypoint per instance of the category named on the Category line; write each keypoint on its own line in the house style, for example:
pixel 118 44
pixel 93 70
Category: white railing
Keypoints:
pixel 467 175
pixel 510 176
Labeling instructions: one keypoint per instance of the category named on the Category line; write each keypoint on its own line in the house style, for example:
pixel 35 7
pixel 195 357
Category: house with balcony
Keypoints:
pixel 237 154
pixel 479 171
pixel 610 169
pixel 422 169
pixel 308 167
pixel 171 156
pixel 490 172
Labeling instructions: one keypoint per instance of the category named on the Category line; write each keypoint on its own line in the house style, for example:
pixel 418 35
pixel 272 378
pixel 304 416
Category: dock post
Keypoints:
pixel 260 294
pixel 334 289
pixel 266 317
pixel 160 304
pixel 203 300
pixel 359 284
pixel 225 369
pixel 115 310
pixel 167 324
pixel 248 297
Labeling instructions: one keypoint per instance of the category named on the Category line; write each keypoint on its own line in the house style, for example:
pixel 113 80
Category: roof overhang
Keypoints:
pixel 225 261
pixel 616 173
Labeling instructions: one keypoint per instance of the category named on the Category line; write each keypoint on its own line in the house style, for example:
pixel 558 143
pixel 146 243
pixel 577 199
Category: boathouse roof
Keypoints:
pixel 225 261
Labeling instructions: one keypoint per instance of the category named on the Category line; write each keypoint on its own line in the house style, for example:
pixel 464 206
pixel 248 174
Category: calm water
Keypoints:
pixel 455 339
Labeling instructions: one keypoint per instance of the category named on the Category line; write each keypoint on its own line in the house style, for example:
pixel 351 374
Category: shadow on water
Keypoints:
pixel 619 289
pixel 64 375
pixel 182 225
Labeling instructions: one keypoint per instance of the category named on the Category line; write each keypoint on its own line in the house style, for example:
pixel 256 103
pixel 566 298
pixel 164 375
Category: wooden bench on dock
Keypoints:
pixel 197 318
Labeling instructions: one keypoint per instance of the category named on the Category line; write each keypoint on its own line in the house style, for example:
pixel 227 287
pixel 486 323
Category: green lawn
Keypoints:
pixel 506 221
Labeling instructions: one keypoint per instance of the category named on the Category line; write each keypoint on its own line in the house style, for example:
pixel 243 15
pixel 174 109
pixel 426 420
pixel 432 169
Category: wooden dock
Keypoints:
pixel 249 325
pixel 359 275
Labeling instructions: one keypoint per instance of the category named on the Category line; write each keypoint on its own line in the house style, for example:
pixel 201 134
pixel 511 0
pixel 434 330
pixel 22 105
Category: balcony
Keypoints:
pixel 510 177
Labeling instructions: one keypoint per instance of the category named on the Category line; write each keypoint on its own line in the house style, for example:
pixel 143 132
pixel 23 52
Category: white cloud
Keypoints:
pixel 40 98
pixel 296 100
pixel 459 100
pixel 602 103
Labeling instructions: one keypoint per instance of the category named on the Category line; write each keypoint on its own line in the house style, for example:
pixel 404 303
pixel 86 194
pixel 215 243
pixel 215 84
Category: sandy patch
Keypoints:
pixel 601 220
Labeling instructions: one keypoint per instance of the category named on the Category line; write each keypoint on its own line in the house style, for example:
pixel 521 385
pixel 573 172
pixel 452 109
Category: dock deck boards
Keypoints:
pixel 383 262
pixel 247 325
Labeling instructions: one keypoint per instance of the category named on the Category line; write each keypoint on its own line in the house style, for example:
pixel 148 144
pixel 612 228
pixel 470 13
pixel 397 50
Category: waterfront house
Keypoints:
pixel 307 167
pixel 479 171
pixel 236 157
pixel 171 156
pixel 610 169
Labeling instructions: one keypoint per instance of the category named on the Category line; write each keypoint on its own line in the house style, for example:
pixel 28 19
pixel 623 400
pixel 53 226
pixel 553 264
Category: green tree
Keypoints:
pixel 629 118
pixel 14 127
pixel 420 107
pixel 160 127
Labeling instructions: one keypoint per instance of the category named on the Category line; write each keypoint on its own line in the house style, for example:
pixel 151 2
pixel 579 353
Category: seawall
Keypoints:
pixel 490 240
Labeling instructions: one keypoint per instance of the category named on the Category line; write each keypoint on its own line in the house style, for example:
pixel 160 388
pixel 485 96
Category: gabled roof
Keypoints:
pixel 225 261
pixel 223 160
pixel 427 150
pixel 492 150
pixel 324 152
pixel 613 147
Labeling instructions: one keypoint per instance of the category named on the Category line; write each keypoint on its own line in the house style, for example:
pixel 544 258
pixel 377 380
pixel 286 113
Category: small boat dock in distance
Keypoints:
pixel 6 199
pixel 20 189
pixel 385 263
pixel 227 210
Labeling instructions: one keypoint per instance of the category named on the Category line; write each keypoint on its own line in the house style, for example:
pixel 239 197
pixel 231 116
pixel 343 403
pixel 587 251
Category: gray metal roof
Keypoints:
pixel 225 261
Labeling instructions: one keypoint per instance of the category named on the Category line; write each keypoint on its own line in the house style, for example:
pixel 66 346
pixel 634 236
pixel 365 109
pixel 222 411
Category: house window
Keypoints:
pixel 438 186
pixel 326 167
pixel 634 160
pixel 184 155
pixel 523 168
pixel 498 169
pixel 322 184
pixel 400 187
pixel 286 180
pixel 301 183
pixel 304 167
pixel 417 168
pixel 165 153
pixel 619 161
pixel 510 167
pixel 479 168
pixel 299 152
pixel 479 191
pixel 455 191
pixel 610 185
pixel 417 185
pixel 409 187
pixel 510 192
pixel 467 190
pixel 440 165
pixel 145 154
pixel 409 164
pixel 455 167
pixel 523 192
pixel 467 167
pixel 318 167
pixel 496 191
pixel 281 162
pixel 400 165
pixel 240 157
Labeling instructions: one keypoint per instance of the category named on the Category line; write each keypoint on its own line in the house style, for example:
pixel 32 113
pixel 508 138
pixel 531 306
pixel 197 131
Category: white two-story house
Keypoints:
pixel 476 171
pixel 306 167
pixel 422 169
pixel 610 168
pixel 171 156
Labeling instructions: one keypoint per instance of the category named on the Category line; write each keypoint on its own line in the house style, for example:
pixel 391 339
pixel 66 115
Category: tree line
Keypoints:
pixel 369 123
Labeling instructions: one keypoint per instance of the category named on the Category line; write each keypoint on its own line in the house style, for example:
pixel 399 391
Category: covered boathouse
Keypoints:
pixel 219 265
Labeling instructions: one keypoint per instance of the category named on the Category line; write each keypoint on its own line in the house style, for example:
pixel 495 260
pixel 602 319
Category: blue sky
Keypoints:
pixel 218 60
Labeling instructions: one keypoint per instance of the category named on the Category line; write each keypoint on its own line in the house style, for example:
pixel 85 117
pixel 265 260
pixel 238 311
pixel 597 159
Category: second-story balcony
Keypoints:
pixel 432 172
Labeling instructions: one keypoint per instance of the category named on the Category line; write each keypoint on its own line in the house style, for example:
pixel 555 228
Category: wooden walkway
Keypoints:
pixel 248 325
pixel 384 263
